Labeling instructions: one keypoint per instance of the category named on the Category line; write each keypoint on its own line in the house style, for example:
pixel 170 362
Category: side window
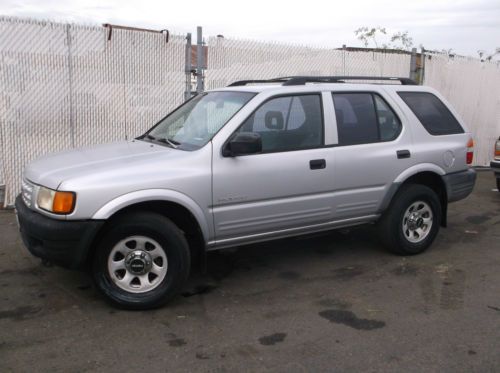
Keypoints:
pixel 356 119
pixel 297 114
pixel 364 118
pixel 388 122
pixel 432 113
pixel 288 123
pixel 275 110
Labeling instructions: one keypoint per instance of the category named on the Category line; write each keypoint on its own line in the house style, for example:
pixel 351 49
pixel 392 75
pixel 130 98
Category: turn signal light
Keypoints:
pixel 470 151
pixel 64 202
pixel 497 148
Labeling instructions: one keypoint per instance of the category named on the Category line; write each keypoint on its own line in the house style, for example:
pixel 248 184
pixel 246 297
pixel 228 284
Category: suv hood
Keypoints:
pixel 53 169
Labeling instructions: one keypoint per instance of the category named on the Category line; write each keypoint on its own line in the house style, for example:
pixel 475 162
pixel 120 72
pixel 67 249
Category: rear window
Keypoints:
pixel 432 113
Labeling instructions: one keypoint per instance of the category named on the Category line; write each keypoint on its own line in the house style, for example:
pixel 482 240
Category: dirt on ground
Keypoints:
pixel 330 302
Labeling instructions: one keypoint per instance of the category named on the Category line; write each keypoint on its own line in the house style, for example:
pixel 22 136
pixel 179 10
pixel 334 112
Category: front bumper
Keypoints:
pixel 65 243
pixel 495 166
pixel 459 184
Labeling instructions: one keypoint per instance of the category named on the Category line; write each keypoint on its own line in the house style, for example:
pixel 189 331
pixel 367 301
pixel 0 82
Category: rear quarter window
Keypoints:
pixel 436 118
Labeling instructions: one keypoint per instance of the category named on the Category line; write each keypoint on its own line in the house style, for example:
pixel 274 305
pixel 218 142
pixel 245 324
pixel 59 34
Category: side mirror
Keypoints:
pixel 243 143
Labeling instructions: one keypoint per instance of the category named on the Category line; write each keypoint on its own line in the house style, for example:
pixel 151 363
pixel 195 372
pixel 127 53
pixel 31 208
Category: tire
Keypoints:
pixel 412 202
pixel 142 261
pixel 498 184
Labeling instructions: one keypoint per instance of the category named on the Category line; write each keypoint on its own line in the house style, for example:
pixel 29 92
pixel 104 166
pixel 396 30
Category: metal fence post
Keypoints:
pixel 343 59
pixel 187 92
pixel 422 68
pixel 413 64
pixel 199 61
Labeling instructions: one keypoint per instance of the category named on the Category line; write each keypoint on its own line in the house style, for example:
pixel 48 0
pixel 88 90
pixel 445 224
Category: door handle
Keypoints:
pixel 403 154
pixel 317 164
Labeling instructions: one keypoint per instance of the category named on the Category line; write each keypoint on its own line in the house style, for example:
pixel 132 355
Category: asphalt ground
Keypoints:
pixel 331 302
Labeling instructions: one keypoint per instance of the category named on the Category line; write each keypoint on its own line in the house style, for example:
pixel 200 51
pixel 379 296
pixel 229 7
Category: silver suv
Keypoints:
pixel 495 163
pixel 255 161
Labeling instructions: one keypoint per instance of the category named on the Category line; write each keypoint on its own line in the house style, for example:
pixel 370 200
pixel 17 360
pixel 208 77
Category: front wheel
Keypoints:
pixel 411 223
pixel 142 261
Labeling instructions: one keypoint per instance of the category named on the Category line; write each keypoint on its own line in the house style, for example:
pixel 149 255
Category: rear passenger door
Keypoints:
pixel 374 147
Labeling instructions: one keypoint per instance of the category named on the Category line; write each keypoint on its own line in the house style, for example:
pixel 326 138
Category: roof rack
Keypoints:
pixel 245 82
pixel 302 80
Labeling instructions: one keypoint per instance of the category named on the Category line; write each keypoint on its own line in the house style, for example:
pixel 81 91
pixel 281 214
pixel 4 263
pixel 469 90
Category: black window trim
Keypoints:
pixel 294 94
pixel 372 93
pixel 441 101
pixel 377 118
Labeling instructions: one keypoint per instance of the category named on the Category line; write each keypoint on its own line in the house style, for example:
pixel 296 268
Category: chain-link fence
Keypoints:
pixel 471 85
pixel 473 88
pixel 65 85
pixel 231 59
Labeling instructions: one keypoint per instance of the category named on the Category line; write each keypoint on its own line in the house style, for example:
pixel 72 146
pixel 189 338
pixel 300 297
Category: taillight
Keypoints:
pixel 497 148
pixel 470 151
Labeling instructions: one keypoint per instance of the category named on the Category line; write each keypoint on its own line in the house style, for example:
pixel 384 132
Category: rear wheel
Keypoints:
pixel 142 261
pixel 411 223
pixel 498 184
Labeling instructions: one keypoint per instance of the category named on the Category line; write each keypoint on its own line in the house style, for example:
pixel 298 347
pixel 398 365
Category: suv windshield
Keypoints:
pixel 194 123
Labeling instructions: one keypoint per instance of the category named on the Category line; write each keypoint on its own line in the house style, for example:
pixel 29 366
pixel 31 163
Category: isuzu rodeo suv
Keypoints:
pixel 255 161
pixel 495 163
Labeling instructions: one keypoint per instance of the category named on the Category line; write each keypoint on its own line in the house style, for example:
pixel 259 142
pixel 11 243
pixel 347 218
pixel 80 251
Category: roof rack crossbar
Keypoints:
pixel 302 80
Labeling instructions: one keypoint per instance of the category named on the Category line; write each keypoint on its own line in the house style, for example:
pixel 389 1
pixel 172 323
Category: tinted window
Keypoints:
pixel 364 118
pixel 388 122
pixel 288 123
pixel 432 113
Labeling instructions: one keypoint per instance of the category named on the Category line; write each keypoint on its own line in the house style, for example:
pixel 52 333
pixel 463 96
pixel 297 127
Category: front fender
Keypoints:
pixel 146 195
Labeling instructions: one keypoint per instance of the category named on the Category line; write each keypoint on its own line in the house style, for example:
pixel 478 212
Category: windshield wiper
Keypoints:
pixel 174 144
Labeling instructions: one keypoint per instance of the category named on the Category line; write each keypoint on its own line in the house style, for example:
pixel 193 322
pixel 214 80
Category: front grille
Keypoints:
pixel 27 192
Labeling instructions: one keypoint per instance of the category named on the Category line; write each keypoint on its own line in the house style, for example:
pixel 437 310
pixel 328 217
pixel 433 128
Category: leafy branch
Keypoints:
pixel 484 56
pixel 371 35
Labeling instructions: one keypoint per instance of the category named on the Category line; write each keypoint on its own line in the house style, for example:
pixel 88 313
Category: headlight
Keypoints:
pixel 55 201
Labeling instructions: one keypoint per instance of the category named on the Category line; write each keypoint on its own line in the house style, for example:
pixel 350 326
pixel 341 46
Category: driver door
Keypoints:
pixel 283 188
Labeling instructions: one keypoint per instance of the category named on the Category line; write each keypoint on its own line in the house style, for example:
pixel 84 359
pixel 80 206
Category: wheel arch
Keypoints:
pixel 151 196
pixel 429 175
pixel 179 208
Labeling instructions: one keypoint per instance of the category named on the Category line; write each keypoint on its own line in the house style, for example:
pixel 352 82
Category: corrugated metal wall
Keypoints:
pixel 473 88
pixel 68 85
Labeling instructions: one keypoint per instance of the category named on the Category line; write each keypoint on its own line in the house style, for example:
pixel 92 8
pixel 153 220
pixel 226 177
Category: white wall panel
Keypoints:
pixel 473 88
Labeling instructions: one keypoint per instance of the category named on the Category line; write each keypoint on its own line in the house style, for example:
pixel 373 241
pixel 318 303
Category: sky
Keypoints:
pixel 465 26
